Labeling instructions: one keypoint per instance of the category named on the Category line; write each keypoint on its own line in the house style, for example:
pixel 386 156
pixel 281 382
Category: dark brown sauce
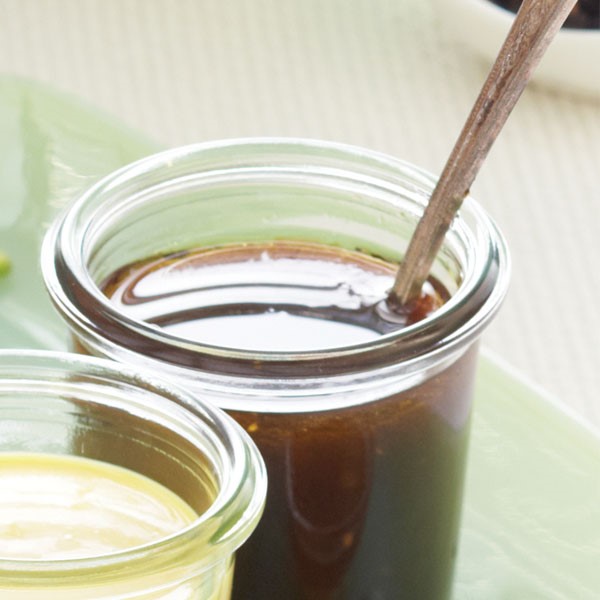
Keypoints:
pixel 363 502
pixel 277 297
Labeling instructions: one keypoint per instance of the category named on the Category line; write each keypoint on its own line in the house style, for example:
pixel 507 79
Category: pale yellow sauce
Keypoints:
pixel 61 507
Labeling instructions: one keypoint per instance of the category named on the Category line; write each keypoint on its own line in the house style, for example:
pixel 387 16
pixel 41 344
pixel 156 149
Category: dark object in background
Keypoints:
pixel 585 14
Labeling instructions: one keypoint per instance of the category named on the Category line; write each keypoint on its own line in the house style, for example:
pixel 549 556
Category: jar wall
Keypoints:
pixel 365 445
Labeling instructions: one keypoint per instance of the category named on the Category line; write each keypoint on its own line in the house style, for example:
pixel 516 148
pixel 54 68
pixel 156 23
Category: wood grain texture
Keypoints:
pixel 534 28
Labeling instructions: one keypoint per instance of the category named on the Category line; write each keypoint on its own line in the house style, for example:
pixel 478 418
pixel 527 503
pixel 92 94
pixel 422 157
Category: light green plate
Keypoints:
pixel 51 147
pixel 531 528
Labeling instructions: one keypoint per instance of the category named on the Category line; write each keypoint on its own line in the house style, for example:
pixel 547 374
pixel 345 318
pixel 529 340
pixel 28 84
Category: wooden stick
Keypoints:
pixel 535 25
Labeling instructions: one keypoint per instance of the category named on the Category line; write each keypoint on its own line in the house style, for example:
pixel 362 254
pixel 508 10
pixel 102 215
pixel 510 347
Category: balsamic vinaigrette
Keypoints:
pixel 282 296
pixel 363 502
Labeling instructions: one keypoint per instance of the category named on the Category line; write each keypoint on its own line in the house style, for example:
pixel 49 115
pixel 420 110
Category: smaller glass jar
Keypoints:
pixel 60 404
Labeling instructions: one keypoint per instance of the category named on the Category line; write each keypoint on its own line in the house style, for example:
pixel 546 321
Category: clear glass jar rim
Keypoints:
pixel 471 307
pixel 245 462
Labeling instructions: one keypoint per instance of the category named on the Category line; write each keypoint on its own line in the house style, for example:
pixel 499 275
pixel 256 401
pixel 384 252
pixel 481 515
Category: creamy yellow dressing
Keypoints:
pixel 62 507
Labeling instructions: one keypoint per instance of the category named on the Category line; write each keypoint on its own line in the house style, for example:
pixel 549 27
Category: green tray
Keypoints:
pixel 531 526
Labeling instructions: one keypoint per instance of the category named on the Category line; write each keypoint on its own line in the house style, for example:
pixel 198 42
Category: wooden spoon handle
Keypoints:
pixel 534 27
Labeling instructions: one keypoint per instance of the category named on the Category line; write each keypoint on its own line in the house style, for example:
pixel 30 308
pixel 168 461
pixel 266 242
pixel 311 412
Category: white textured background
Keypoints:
pixel 378 73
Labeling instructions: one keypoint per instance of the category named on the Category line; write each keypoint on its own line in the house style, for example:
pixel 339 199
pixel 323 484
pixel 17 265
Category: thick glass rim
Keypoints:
pixel 461 319
pixel 242 490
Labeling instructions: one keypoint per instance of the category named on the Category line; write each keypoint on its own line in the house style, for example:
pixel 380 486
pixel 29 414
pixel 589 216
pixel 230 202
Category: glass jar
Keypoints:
pixel 364 443
pixel 72 406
